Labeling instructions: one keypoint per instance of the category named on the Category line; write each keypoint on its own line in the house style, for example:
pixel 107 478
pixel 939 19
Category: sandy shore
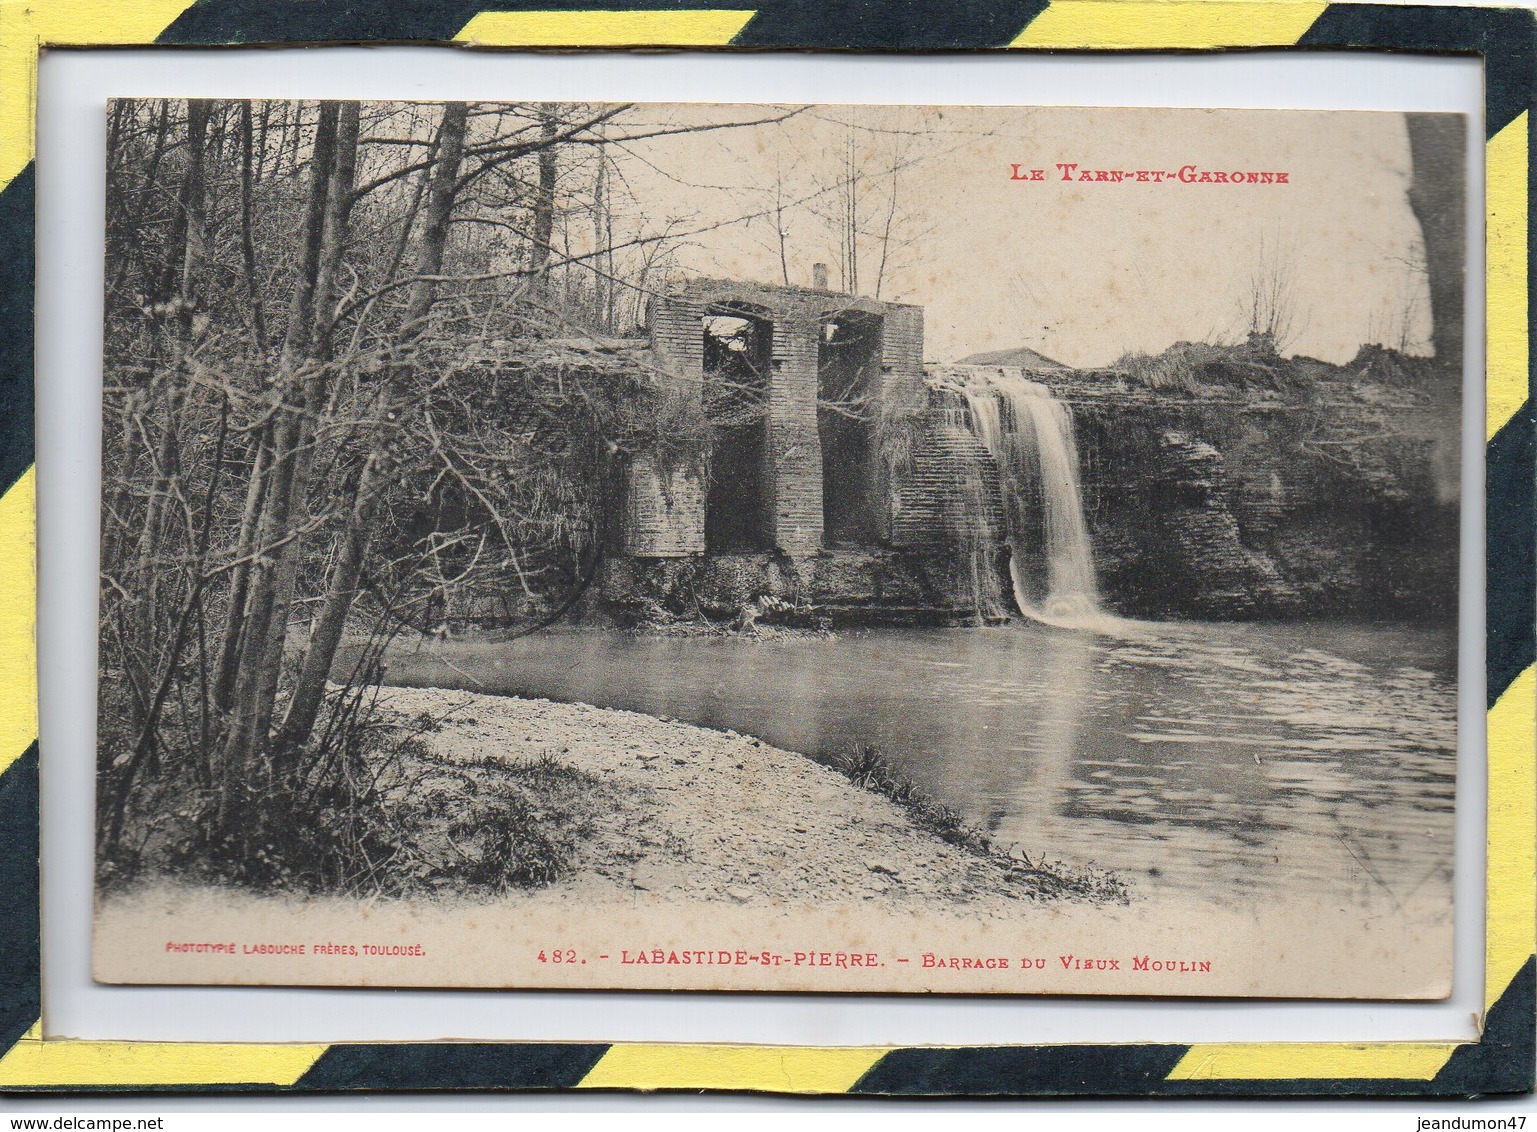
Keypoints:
pixel 695 814
pixel 710 860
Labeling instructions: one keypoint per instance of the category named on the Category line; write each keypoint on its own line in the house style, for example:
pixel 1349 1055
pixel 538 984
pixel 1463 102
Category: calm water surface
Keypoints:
pixel 1227 762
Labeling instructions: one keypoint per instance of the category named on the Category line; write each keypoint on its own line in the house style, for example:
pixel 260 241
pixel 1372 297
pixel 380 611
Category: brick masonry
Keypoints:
pixel 952 496
pixel 902 359
pixel 662 518
pixel 663 511
pixel 794 446
pixel 938 497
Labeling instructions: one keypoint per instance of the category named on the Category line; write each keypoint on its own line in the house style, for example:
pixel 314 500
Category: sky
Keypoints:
pixel 1080 271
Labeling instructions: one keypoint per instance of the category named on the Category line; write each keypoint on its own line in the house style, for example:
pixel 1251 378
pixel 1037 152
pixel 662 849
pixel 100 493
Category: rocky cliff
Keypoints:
pixel 1229 483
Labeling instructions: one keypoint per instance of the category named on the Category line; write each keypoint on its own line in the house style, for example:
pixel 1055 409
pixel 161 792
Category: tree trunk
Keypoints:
pixel 1437 145
pixel 128 221
pixel 265 620
pixel 602 246
pixel 544 202
pixel 240 576
pixel 247 245
pixel 338 221
pixel 346 571
pixel 176 304
pixel 312 403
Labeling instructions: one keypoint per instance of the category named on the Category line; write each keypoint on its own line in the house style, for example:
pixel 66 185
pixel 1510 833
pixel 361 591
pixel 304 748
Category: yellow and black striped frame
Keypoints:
pixel 1501 1060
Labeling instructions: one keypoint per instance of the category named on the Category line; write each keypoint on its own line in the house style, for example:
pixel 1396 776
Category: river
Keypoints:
pixel 1230 763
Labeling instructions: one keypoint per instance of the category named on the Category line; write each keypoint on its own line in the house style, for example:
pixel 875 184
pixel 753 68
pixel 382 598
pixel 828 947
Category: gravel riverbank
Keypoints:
pixel 687 813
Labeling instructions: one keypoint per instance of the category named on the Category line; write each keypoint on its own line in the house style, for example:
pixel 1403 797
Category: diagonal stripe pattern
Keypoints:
pixel 18 619
pixel 1506 39
pixel 772 1069
pixel 1506 177
pixel 1170 24
pixel 33 1063
pixel 686 28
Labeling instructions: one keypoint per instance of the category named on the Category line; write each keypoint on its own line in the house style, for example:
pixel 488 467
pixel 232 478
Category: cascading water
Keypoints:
pixel 1030 434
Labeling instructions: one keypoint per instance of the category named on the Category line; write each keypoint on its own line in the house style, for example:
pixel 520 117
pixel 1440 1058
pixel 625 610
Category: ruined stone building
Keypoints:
pixel 833 478
pixel 799 460
pixel 843 479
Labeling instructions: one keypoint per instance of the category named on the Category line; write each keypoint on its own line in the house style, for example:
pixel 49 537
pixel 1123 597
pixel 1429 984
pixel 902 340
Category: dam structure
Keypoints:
pixel 1029 433
pixel 836 477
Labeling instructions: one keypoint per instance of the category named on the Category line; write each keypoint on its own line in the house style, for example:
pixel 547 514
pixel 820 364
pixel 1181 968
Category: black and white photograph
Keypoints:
pixel 845 548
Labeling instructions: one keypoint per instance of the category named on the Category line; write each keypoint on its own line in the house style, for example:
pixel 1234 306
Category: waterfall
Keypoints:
pixel 1030 434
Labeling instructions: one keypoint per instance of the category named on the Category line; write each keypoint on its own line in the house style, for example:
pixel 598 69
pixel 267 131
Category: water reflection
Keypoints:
pixel 1231 762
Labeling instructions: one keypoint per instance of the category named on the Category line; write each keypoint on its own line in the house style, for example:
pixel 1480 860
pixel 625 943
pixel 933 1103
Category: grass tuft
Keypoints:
pixel 388 817
pixel 867 768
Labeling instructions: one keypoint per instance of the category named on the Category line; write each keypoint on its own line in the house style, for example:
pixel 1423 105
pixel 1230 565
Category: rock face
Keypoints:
pixel 841 587
pixel 1234 484
pixel 1218 483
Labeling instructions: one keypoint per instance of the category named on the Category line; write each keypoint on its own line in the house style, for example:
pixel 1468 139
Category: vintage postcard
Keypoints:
pixel 780 548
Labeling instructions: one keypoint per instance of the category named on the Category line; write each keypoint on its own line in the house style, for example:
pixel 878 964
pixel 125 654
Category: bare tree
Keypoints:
pixel 264 628
pixel 343 584
pixel 862 203
pixel 338 385
pixel 1271 306
pixel 540 248
pixel 1437 144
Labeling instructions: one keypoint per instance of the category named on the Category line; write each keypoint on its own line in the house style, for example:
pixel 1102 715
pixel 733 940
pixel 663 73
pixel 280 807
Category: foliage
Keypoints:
pixel 356 357
pixel 869 769
pixel 398 820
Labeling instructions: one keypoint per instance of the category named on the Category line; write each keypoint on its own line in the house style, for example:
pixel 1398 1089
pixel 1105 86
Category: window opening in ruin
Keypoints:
pixel 848 379
pixel 738 351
